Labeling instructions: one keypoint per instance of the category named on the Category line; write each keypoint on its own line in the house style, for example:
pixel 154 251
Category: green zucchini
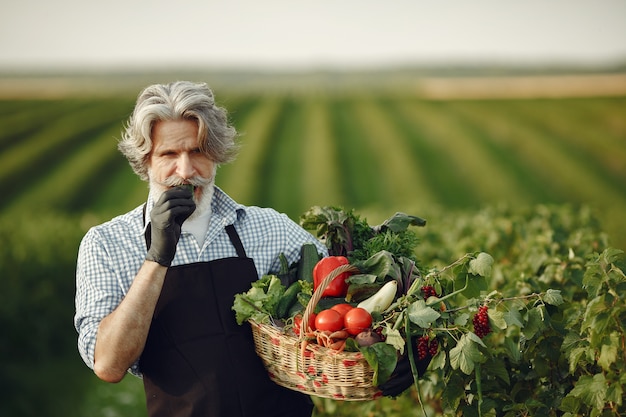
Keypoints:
pixel 308 259
pixel 287 300
pixel 287 272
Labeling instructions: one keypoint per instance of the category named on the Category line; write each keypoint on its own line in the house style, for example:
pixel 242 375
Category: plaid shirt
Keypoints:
pixel 111 254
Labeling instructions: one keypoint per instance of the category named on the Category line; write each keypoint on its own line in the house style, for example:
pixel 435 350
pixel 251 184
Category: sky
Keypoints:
pixel 284 34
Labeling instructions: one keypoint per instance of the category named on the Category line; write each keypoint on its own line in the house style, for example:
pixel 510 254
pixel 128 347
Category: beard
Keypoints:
pixel 203 201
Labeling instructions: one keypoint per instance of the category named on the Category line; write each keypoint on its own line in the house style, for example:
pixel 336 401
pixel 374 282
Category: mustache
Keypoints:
pixel 175 180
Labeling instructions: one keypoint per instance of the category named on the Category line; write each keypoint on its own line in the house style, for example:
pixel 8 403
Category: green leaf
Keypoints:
pixel 337 228
pixel 481 265
pixel 399 222
pixel 422 315
pixel 596 307
pixel 496 318
pixel 571 341
pixel 592 279
pixel 439 360
pixel 245 310
pixel 591 390
pixel 534 323
pixel 574 357
pixel 488 408
pixel 597 271
pixel 461 319
pixel 608 351
pixel 615 394
pixel 380 264
pixel 361 286
pixel 611 255
pixel 496 367
pixel 361 279
pixel 453 392
pixel 274 292
pixel 513 349
pixel 382 357
pixel 553 297
pixel 474 338
pixel 394 338
pixel 570 404
pixel 475 284
pixel 465 354
pixel 260 301
pixel 601 324
pixel 513 318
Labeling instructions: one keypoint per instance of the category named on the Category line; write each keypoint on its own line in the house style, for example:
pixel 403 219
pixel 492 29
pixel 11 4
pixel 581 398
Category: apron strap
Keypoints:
pixel 234 239
pixel 147 234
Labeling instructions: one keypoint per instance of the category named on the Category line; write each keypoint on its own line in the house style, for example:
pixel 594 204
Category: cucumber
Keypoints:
pixel 287 300
pixel 287 272
pixel 308 259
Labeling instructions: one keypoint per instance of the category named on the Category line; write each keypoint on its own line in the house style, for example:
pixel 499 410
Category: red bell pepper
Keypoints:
pixel 338 287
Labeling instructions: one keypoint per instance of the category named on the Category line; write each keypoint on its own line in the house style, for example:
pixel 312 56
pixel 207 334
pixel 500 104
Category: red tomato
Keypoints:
pixel 298 320
pixel 357 320
pixel 328 320
pixel 342 308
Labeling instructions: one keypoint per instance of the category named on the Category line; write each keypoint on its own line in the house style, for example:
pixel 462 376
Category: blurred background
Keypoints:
pixel 438 109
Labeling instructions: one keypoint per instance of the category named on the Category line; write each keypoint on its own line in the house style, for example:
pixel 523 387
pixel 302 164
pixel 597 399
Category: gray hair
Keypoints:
pixel 175 101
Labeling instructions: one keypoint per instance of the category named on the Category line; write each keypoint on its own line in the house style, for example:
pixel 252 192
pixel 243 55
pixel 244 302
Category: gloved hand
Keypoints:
pixel 402 377
pixel 166 219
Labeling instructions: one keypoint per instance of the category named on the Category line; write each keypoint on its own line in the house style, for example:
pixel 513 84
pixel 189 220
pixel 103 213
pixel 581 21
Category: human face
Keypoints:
pixel 176 157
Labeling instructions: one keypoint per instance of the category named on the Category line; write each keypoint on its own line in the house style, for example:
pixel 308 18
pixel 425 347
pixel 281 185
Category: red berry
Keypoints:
pixel 426 347
pixel 481 322
pixel 429 291
pixel 422 347
pixel 433 347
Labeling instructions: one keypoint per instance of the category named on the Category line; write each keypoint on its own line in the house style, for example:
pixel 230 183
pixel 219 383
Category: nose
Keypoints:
pixel 184 167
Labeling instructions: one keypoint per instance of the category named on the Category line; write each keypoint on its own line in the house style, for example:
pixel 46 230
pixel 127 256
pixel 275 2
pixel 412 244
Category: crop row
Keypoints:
pixel 391 152
pixel 35 156
pixel 456 154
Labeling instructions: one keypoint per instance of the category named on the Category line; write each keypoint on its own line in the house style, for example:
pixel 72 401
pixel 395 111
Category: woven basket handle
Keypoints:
pixel 317 295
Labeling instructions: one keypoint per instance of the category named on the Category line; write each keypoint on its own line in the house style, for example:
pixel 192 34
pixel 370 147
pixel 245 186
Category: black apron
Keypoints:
pixel 198 362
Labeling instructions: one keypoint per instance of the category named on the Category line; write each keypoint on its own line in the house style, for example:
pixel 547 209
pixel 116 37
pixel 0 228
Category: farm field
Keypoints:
pixel 375 153
pixel 469 166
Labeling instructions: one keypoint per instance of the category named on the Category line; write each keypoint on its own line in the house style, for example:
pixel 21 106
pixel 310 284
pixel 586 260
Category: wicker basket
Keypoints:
pixel 314 370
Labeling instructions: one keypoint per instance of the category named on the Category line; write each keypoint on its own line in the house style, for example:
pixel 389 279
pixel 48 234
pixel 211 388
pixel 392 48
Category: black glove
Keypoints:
pixel 402 378
pixel 166 219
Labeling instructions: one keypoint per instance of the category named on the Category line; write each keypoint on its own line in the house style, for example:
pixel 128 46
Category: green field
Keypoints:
pixel 372 152
pixel 524 179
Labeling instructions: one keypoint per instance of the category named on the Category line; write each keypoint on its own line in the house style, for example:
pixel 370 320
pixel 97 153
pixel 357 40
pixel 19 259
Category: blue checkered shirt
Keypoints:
pixel 111 254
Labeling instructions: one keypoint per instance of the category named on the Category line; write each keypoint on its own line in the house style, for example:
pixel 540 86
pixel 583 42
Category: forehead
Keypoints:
pixel 175 133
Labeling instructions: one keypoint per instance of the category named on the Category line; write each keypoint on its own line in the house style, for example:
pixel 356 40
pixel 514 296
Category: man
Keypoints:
pixel 155 286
